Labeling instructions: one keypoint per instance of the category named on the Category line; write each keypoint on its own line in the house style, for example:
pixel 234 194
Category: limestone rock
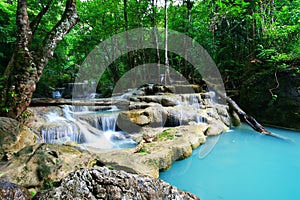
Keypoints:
pixel 14 136
pixel 216 127
pixel 170 110
pixel 102 183
pixel 171 144
pixel 133 120
pixel 34 165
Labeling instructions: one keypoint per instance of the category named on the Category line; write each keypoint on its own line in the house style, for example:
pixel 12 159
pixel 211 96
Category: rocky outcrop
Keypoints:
pixel 169 145
pixel 9 191
pixel 280 109
pixel 102 183
pixel 170 110
pixel 13 137
pixel 36 165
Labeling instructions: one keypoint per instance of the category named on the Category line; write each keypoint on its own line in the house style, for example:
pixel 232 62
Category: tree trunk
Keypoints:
pixel 248 119
pixel 25 67
pixel 189 6
pixel 130 59
pixel 156 40
pixel 167 69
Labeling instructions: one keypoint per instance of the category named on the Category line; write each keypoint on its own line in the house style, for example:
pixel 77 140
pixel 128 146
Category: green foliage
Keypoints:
pixel 243 37
pixel 166 135
pixel 47 184
pixel 24 116
pixel 32 192
pixel 7 33
pixel 143 150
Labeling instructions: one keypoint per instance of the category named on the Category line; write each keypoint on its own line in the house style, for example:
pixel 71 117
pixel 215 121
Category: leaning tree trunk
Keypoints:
pixel 25 67
pixel 251 121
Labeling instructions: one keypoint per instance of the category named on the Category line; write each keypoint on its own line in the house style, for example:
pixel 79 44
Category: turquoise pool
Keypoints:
pixel 243 165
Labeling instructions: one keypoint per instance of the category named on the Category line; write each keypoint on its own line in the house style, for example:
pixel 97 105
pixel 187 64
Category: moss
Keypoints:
pixel 25 151
pixel 166 135
pixel 153 162
pixel 43 171
pixel 143 150
pixel 47 184
pixel 32 192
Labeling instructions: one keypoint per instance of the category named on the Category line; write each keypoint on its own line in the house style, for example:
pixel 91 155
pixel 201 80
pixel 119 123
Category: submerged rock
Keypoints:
pixel 102 183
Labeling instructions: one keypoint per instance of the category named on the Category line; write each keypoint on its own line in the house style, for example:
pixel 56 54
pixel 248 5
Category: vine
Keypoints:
pixel 274 96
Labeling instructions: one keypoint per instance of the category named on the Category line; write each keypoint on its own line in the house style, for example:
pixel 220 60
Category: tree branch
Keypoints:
pixel 35 23
pixel 68 20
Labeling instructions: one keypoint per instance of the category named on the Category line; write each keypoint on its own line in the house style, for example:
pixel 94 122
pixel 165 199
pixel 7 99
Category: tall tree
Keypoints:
pixel 167 69
pixel 155 37
pixel 25 67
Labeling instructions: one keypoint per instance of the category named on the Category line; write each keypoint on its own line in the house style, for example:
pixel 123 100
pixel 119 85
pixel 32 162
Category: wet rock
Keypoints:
pixel 216 127
pixel 170 144
pixel 132 120
pixel 13 137
pixel 11 191
pixel 169 101
pixel 102 183
pixel 171 110
pixel 235 119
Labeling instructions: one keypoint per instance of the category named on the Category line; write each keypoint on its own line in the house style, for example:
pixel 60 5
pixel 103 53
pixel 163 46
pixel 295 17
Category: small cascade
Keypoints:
pixel 189 109
pixel 109 123
pixel 78 124
pixel 59 130
pixel 200 119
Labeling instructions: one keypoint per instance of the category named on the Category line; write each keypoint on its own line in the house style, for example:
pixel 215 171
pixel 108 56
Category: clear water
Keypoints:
pixel 243 165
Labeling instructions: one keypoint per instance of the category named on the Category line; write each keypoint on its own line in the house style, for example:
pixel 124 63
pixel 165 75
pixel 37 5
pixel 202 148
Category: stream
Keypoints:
pixel 244 165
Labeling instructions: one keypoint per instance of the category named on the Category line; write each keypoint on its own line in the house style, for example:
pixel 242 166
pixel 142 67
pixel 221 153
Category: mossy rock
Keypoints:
pixel 13 137
pixel 272 103
pixel 35 166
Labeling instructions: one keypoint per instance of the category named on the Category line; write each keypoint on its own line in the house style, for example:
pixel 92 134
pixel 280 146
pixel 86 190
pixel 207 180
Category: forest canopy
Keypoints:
pixel 243 37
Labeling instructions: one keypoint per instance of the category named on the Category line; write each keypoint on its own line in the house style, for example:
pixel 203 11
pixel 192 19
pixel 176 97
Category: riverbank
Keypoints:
pixel 187 120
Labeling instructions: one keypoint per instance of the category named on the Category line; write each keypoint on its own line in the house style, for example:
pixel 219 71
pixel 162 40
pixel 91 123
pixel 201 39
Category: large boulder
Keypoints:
pixel 280 109
pixel 13 137
pixel 102 183
pixel 185 108
pixel 132 120
pixel 42 164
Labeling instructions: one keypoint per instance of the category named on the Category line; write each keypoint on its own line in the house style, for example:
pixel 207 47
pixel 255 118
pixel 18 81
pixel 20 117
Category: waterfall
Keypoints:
pixel 78 124
pixel 109 123
pixel 200 119
pixel 188 109
pixel 59 130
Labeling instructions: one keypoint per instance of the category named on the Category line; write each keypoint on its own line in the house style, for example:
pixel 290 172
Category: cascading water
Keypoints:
pixel 109 123
pixel 59 130
pixel 190 103
pixel 73 127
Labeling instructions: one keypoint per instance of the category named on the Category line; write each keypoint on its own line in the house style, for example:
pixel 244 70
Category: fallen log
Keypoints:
pixel 251 121
pixel 82 102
